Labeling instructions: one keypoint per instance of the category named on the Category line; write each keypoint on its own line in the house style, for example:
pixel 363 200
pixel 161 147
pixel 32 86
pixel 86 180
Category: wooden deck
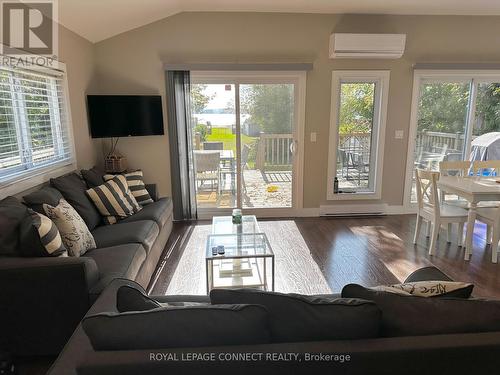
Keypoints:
pixel 255 192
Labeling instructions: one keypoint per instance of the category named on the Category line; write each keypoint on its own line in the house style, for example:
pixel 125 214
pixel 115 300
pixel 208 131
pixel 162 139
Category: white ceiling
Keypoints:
pixel 100 19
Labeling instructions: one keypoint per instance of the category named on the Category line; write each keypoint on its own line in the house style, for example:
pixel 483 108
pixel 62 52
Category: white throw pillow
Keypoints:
pixel 426 288
pixel 74 232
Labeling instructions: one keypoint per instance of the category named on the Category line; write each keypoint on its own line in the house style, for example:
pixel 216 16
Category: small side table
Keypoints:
pixel 248 261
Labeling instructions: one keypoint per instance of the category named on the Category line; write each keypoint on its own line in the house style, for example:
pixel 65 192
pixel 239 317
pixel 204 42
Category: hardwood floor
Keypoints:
pixel 366 250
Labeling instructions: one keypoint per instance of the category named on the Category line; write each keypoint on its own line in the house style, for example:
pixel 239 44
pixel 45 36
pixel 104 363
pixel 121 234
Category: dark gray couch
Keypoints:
pixel 433 354
pixel 44 299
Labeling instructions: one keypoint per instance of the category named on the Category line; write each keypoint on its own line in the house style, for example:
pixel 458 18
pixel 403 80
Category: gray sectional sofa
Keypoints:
pixel 109 350
pixel 44 298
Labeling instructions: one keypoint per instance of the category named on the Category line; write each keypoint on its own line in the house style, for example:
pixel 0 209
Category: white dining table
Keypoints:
pixel 474 190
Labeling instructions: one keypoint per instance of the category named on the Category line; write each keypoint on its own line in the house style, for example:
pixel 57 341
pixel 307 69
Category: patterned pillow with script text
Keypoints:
pixel 430 289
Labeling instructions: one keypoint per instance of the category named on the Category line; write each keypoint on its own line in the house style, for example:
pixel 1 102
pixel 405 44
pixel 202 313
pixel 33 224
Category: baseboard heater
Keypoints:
pixel 353 210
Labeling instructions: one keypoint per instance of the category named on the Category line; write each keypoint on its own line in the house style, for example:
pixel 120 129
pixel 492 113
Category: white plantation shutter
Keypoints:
pixel 34 128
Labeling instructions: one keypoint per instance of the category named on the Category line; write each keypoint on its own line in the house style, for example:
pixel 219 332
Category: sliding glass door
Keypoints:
pixel 267 144
pixel 214 144
pixel 244 140
pixel 450 111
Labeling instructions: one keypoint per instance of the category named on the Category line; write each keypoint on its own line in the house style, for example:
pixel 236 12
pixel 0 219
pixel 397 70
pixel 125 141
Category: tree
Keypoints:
pixel 443 107
pixel 270 106
pixel 356 107
pixel 199 99
pixel 487 109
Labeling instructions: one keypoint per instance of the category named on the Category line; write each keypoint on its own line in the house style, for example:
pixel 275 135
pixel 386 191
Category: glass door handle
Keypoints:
pixel 293 146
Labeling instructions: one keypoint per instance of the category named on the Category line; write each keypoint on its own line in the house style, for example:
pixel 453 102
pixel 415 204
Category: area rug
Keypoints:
pixel 295 269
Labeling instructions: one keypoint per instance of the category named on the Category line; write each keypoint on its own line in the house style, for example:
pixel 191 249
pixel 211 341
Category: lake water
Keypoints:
pixel 219 119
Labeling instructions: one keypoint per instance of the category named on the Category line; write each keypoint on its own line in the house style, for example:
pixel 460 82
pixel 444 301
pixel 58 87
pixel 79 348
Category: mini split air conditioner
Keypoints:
pixel 367 46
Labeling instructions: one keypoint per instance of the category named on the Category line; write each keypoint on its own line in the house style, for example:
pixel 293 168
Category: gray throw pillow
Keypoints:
pixel 417 316
pixel 178 327
pixel 26 233
pixel 294 317
pixel 131 299
pixel 45 195
pixel 12 214
pixel 93 177
pixel 73 190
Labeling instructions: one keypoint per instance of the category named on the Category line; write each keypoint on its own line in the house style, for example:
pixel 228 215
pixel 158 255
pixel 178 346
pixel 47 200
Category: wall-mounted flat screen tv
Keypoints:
pixel 124 115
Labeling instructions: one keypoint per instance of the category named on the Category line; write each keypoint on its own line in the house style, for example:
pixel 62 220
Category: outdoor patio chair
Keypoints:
pixel 207 168
pixel 245 152
pixel 213 145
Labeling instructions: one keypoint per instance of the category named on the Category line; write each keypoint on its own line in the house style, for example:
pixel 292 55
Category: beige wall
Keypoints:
pixel 78 55
pixel 132 63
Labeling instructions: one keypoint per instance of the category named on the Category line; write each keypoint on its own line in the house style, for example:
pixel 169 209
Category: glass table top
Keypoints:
pixel 242 245
pixel 224 225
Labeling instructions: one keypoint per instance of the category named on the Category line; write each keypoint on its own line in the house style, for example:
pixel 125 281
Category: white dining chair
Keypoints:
pixel 433 212
pixel 454 168
pixel 491 217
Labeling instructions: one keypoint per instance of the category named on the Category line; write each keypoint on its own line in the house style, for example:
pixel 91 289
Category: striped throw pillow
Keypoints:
pixel 135 181
pixel 49 235
pixel 114 199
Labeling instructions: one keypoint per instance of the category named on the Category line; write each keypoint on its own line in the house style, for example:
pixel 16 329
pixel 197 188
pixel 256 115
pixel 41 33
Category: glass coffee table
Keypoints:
pixel 247 261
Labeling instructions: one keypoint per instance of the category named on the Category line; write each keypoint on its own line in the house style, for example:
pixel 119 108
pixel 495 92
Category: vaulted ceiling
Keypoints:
pixel 96 20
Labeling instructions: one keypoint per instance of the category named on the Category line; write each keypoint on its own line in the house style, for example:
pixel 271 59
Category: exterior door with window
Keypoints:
pixel 357 128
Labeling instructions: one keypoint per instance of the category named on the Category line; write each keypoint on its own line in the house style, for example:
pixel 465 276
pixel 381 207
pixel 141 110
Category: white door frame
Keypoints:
pixel 381 79
pixel 298 78
pixel 474 77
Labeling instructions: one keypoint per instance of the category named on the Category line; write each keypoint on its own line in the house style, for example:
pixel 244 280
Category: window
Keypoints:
pixel 357 128
pixel 34 124
pixel 450 110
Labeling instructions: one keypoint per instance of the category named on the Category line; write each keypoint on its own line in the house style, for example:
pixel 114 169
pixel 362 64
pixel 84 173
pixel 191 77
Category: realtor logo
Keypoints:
pixel 29 28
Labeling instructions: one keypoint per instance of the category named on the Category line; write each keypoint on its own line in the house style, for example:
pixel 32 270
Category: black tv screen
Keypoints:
pixel 124 115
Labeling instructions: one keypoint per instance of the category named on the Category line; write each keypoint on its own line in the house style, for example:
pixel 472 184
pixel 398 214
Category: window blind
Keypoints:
pixel 34 129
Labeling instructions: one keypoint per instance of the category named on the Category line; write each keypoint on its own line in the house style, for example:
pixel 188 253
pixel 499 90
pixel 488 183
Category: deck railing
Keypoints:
pixel 426 141
pixel 273 150
pixel 434 141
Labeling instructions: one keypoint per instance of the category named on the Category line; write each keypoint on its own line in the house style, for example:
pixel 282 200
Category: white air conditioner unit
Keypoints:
pixel 367 46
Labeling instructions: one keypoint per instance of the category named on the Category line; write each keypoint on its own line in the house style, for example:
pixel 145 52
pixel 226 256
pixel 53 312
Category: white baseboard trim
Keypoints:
pixel 401 210
pixel 353 209
pixel 364 209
